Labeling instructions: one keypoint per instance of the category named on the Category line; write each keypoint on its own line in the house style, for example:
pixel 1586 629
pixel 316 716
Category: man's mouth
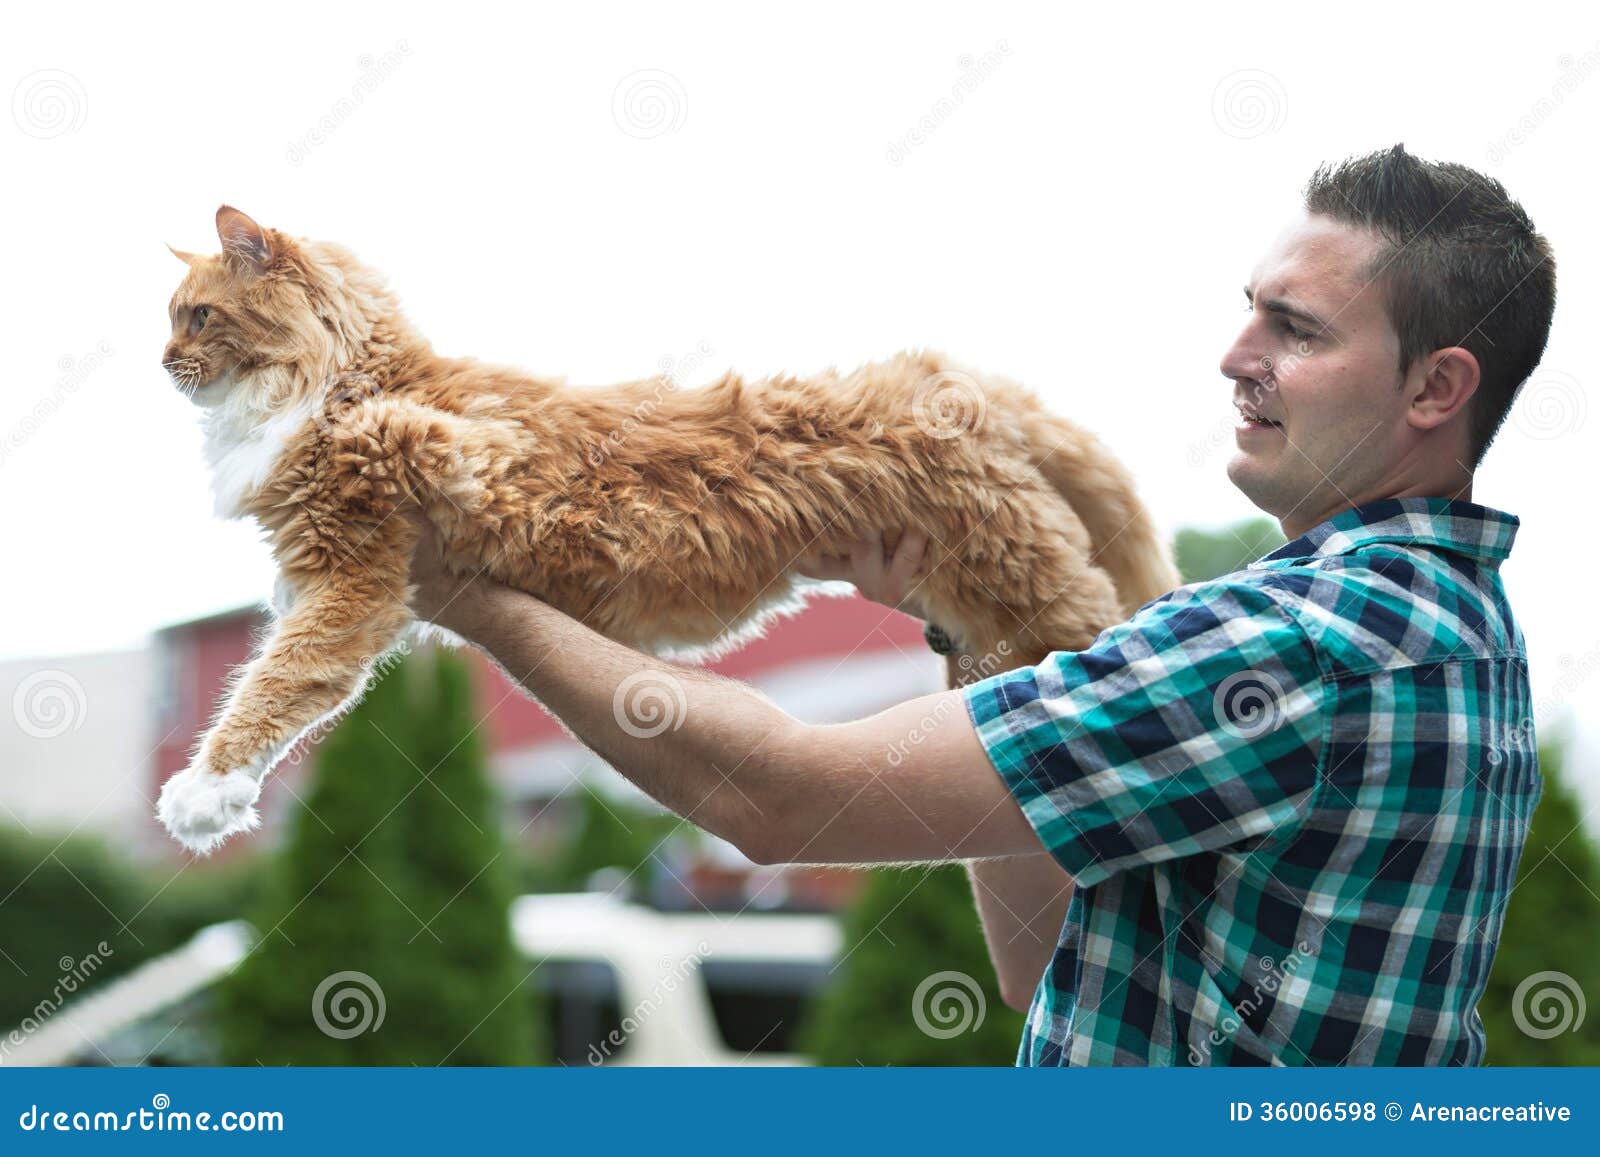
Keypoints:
pixel 1249 419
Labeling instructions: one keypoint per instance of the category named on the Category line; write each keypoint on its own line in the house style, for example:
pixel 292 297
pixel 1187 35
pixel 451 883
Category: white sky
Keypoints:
pixel 1083 221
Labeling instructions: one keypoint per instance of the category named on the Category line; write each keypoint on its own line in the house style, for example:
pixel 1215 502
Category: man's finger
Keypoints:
pixel 824 567
pixel 908 557
pixel 866 560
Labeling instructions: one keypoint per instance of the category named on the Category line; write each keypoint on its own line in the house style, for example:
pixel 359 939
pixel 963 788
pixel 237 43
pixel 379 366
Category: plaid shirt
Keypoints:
pixel 1293 800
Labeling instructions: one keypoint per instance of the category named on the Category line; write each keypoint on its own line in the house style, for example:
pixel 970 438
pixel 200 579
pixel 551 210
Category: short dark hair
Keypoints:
pixel 1462 265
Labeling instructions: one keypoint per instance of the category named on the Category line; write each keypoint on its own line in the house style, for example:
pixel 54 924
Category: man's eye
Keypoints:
pixel 1296 332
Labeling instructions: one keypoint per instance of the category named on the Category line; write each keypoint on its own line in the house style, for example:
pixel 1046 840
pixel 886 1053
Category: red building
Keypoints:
pixel 841 658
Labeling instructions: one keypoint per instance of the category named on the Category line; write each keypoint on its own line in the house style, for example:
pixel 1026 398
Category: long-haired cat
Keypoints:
pixel 665 518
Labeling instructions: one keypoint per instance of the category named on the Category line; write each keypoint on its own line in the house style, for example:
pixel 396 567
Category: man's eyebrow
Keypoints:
pixel 1283 308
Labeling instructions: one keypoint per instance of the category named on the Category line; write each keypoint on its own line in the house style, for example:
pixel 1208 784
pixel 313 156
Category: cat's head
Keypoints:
pixel 270 319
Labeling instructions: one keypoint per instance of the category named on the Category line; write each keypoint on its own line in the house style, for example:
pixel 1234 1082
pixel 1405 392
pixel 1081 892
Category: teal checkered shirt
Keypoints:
pixel 1293 800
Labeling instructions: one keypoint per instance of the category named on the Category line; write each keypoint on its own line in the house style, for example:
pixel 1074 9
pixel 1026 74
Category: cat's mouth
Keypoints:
pixel 190 376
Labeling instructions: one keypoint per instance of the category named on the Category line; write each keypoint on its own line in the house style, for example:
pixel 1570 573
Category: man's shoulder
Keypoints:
pixel 1382 606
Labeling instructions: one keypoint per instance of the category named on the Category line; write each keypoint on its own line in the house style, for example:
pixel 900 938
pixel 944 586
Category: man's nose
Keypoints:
pixel 1243 357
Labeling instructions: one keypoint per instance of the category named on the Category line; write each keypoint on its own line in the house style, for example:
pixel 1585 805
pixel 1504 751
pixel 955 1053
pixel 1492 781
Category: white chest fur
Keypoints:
pixel 242 444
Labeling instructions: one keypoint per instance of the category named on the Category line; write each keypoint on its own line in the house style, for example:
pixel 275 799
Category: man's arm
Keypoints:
pixel 1022 902
pixel 909 784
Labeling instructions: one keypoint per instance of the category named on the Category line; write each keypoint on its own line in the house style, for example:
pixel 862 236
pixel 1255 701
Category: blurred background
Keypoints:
pixel 1073 199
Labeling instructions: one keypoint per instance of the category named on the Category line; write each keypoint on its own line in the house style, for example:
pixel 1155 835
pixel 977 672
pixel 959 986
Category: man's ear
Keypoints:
pixel 1450 378
pixel 243 239
pixel 186 258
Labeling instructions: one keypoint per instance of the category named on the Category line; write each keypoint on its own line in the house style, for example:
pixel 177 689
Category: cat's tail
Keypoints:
pixel 1125 540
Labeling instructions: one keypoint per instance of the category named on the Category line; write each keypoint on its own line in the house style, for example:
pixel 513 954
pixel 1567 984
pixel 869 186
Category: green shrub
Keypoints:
pixel 390 893
pixel 907 926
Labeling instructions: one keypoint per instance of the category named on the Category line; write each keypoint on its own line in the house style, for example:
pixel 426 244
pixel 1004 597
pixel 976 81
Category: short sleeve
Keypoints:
pixel 1194 726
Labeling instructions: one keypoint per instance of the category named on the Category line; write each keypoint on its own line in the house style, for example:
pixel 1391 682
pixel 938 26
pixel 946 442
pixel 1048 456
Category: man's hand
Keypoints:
pixel 439 594
pixel 888 577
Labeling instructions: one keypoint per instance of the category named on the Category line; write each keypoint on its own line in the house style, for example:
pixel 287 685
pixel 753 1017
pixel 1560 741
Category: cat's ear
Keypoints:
pixel 243 239
pixel 186 258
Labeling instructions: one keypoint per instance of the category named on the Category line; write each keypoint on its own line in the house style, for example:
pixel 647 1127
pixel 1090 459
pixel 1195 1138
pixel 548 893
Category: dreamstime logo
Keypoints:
pixel 948 405
pixel 1249 103
pixel 1574 71
pixel 1548 1004
pixel 649 103
pixel 374 668
pixel 996 660
pixel 379 665
pixel 948 1004
pixel 974 71
pixel 348 1004
pixel 74 975
pixel 1248 704
pixel 374 71
pixel 1503 739
pixel 1549 405
pixel 1258 388
pixel 346 393
pixel 649 703
pixel 49 103
pixel 668 381
pixel 1273 975
pixel 74 373
pixel 49 703
pixel 672 974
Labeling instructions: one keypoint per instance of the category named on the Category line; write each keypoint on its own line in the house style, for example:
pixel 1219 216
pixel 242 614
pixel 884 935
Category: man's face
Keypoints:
pixel 1316 377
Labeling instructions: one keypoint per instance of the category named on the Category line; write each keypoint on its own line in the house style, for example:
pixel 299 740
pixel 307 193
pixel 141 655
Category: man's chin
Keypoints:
pixel 1248 477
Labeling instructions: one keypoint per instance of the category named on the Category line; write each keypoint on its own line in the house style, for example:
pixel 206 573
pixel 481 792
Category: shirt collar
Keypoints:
pixel 1479 532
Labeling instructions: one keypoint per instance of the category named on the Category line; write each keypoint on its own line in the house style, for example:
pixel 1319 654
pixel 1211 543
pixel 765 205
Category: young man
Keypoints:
pixel 1286 806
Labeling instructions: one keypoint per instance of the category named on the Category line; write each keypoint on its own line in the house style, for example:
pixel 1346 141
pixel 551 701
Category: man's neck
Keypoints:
pixel 1457 489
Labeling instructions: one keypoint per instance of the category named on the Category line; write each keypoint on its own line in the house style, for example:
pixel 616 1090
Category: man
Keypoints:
pixel 1271 819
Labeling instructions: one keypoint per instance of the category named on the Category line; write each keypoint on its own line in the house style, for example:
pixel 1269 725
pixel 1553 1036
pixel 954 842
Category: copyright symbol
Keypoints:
pixel 1392 1110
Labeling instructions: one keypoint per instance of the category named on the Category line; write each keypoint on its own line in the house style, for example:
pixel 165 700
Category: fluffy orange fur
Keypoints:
pixel 665 518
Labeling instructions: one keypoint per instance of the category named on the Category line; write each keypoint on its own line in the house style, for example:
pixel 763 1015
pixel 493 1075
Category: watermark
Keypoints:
pixel 675 972
pixel 1548 1004
pixel 1274 973
pixel 347 1004
pixel 974 71
pixel 669 381
pixel 1573 72
pixel 948 405
pixel 74 373
pixel 947 705
pixel 49 703
pixel 649 703
pixel 373 667
pixel 160 1117
pixel 649 103
pixel 1248 704
pixel 1258 389
pixel 342 395
pixel 374 71
pixel 1550 404
pixel 947 1004
pixel 49 104
pixel 1249 103
pixel 1509 738
pixel 75 973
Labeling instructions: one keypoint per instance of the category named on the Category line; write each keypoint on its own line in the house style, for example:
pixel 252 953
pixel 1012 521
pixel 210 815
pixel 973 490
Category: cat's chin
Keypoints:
pixel 213 393
pixel 202 809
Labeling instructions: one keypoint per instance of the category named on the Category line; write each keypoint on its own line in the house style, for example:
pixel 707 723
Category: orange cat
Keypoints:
pixel 665 518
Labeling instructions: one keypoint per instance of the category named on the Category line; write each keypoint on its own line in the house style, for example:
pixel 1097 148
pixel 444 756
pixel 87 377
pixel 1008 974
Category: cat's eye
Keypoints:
pixel 198 320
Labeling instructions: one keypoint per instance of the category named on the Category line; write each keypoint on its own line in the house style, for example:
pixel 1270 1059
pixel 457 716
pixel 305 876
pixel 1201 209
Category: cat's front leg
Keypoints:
pixel 313 665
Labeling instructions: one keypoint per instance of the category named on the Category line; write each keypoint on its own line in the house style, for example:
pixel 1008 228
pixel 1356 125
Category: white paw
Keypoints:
pixel 201 808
